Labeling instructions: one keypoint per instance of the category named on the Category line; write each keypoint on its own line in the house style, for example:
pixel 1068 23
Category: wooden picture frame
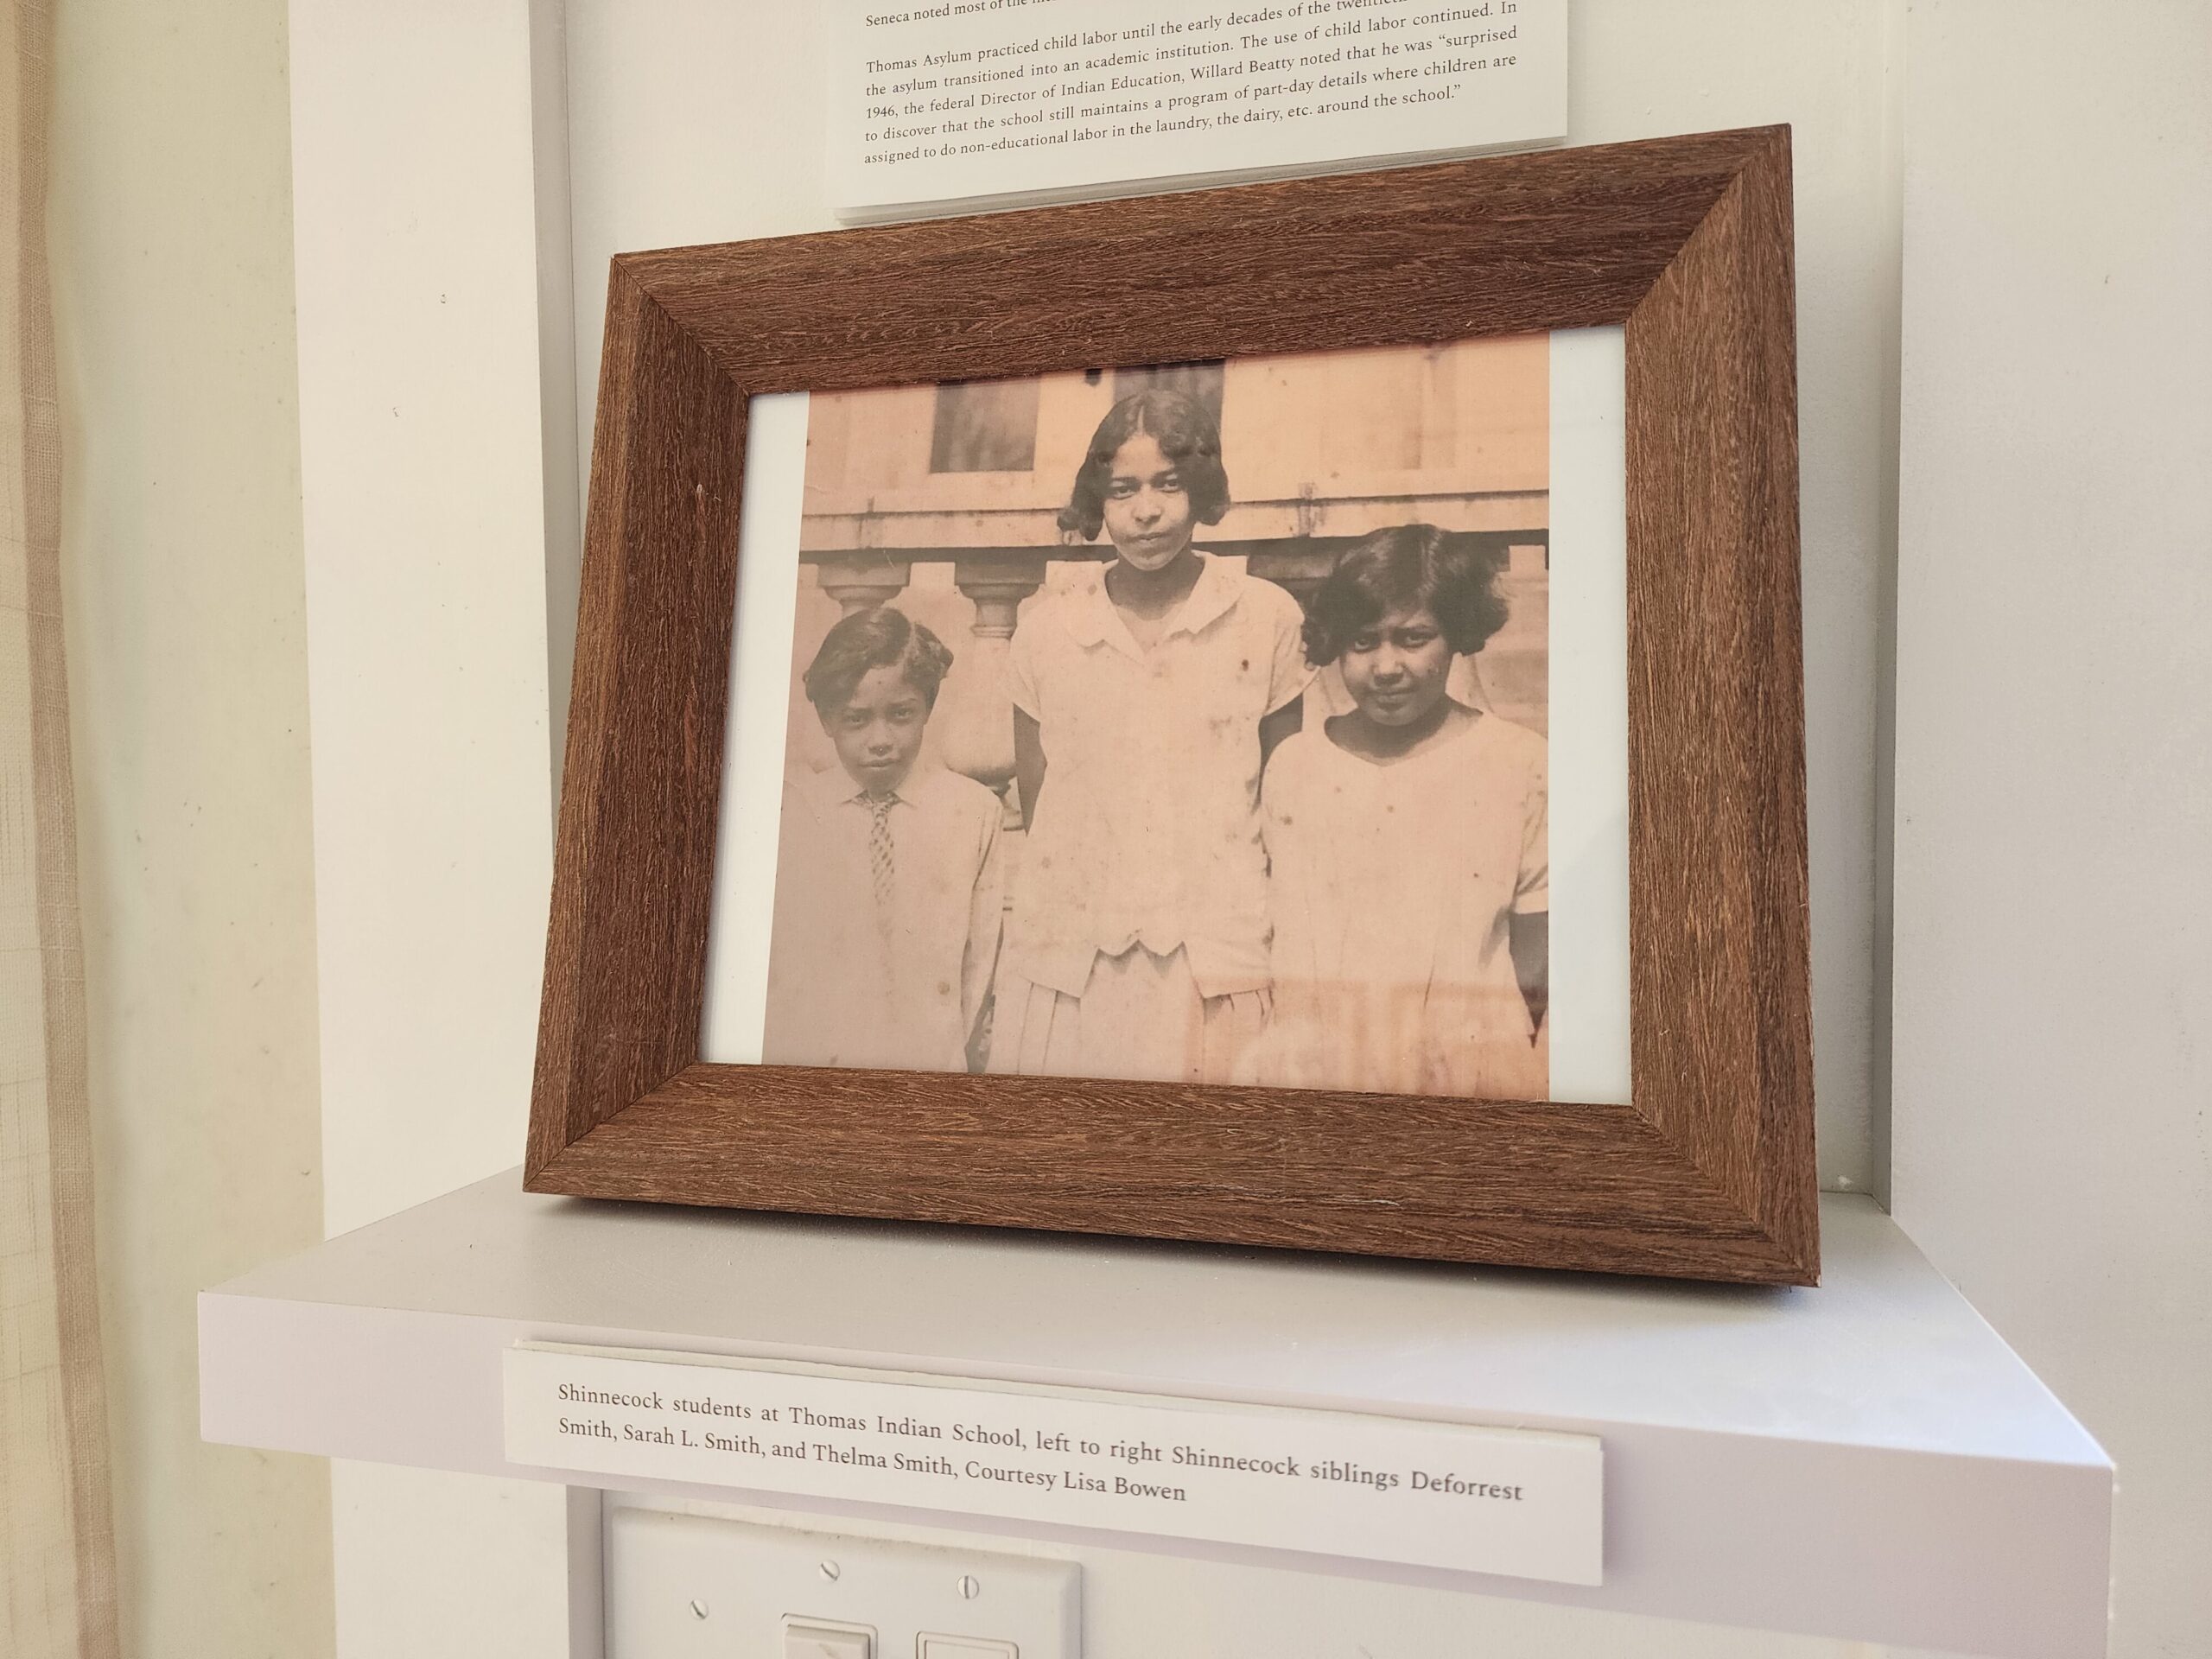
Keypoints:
pixel 1709 1173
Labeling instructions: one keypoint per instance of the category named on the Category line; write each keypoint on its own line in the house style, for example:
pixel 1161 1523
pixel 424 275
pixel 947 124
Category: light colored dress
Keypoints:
pixel 853 981
pixel 1392 889
pixel 1137 943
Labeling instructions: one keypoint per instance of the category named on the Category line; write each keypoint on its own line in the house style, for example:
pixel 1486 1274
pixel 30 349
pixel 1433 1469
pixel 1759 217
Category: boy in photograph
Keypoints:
pixel 888 891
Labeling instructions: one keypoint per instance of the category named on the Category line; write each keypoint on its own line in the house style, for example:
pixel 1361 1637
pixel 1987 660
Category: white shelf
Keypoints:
pixel 1866 1460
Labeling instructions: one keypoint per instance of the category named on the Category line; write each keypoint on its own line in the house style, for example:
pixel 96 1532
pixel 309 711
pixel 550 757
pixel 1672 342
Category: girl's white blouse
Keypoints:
pixel 1392 888
pixel 1147 831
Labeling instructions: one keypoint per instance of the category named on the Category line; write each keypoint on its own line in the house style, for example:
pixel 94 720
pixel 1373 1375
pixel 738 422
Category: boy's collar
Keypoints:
pixel 836 787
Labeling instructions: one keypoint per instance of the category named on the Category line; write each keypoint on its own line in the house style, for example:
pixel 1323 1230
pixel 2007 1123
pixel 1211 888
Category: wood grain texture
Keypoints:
pixel 1708 1173
pixel 633 856
pixel 1719 946
pixel 1592 1187
pixel 1560 240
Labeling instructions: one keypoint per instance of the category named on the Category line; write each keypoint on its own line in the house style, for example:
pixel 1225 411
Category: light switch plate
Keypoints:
pixel 682 1586
pixel 806 1639
pixel 955 1647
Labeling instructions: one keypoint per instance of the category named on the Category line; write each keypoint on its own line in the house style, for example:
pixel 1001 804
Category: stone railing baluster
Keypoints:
pixel 862 581
pixel 975 715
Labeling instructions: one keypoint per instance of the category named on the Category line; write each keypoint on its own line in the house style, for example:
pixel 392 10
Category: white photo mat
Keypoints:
pixel 1588 738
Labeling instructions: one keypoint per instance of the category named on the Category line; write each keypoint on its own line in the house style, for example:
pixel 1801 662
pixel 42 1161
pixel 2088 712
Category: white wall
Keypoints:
pixel 695 121
pixel 2054 744
pixel 170 219
pixel 415 128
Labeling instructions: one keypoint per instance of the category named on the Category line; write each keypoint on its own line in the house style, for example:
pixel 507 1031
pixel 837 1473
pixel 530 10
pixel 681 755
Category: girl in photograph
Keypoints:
pixel 1146 702
pixel 889 895
pixel 1407 846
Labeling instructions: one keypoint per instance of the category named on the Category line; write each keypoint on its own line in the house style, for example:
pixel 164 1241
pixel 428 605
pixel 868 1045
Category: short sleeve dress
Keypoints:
pixel 1392 889
pixel 1136 944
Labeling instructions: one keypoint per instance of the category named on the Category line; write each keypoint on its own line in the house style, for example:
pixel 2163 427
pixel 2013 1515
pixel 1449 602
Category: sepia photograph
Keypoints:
pixel 1183 724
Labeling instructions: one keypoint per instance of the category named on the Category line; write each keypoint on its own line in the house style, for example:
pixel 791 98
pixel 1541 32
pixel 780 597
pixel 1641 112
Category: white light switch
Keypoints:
pixel 689 1586
pixel 805 1641
pixel 964 1647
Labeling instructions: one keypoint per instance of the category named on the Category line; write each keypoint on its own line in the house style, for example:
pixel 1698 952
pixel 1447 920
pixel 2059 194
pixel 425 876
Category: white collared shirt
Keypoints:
pixel 1147 830
pixel 846 987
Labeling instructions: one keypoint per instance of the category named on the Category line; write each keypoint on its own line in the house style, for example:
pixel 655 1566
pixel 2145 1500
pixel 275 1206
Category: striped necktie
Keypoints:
pixel 882 868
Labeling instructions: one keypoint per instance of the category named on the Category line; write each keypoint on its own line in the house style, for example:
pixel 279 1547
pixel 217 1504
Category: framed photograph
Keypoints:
pixel 1267 716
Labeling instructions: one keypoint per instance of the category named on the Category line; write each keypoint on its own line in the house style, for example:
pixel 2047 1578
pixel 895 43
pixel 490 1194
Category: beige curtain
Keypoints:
pixel 57 1553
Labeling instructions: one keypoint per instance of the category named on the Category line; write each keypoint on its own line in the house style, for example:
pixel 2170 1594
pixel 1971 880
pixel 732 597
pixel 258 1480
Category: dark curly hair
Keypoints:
pixel 1408 567
pixel 881 637
pixel 1186 435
